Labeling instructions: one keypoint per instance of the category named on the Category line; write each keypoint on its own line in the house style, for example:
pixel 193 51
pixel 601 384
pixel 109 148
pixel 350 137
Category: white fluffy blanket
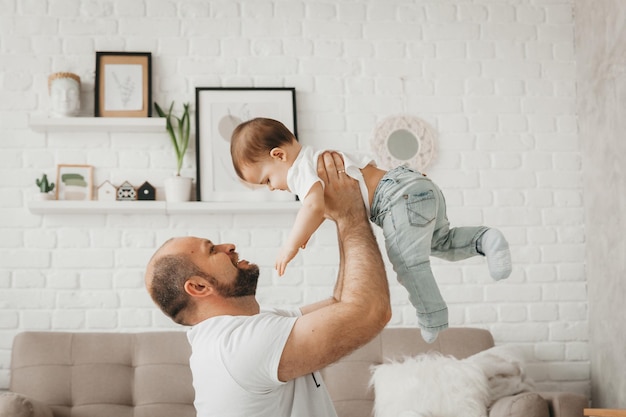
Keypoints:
pixel 430 385
pixel 433 385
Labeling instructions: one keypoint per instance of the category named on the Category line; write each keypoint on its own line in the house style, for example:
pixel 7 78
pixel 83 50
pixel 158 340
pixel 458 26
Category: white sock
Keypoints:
pixel 429 335
pixel 495 247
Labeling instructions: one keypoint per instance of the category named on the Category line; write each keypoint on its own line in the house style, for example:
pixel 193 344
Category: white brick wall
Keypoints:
pixel 495 79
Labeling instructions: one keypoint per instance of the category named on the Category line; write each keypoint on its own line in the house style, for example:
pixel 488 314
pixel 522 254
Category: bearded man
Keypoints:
pixel 249 362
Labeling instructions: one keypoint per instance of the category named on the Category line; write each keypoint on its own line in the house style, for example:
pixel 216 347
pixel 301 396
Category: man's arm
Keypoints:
pixel 361 308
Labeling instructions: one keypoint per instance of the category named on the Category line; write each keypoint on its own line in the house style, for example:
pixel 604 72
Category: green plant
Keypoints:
pixel 178 129
pixel 43 184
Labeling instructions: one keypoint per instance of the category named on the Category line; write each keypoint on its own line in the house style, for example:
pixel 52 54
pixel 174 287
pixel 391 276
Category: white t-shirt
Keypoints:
pixel 303 173
pixel 234 363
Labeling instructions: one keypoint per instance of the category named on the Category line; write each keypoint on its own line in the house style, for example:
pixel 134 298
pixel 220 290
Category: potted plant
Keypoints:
pixel 177 188
pixel 45 188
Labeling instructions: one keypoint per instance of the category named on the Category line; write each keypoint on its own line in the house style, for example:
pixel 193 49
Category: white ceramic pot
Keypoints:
pixel 177 189
pixel 43 196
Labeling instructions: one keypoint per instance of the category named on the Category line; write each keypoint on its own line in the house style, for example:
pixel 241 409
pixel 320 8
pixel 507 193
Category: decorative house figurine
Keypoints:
pixel 146 192
pixel 107 191
pixel 126 192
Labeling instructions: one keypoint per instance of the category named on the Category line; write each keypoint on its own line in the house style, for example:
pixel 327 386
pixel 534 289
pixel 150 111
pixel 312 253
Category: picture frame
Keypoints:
pixel 218 111
pixel 123 85
pixel 74 182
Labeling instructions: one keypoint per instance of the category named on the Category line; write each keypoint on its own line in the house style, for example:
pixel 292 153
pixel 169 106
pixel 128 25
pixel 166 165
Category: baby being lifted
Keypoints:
pixel 406 204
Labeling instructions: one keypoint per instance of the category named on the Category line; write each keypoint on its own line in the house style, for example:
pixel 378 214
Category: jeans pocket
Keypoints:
pixel 421 208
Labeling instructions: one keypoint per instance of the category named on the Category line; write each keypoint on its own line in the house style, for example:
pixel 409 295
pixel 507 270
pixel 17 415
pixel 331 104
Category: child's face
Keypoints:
pixel 270 172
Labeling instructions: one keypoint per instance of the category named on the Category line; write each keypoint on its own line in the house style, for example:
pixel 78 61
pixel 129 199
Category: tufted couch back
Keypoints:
pixel 105 374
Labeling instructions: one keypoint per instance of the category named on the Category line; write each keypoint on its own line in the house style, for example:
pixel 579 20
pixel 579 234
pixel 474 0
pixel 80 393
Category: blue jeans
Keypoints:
pixel 411 210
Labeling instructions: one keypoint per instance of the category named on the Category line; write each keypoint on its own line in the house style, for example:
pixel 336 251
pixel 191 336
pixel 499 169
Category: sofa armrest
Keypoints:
pixel 17 405
pixel 525 404
pixel 565 404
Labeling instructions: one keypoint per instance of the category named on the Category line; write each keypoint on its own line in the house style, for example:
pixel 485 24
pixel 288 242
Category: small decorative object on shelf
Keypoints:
pixel 126 192
pixel 123 85
pixel 74 182
pixel 146 192
pixel 177 188
pixel 64 89
pixel 107 191
pixel 45 188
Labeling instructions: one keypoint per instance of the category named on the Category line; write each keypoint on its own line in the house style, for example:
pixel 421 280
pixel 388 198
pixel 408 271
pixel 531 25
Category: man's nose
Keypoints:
pixel 226 247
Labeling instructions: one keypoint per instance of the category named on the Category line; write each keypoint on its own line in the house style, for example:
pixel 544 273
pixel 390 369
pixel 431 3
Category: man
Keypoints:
pixel 246 362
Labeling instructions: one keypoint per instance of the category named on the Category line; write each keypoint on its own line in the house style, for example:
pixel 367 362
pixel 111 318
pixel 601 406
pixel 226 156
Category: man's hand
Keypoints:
pixel 341 193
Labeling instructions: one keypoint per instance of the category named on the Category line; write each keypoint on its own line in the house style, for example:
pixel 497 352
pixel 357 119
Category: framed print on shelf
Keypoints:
pixel 74 182
pixel 123 84
pixel 218 112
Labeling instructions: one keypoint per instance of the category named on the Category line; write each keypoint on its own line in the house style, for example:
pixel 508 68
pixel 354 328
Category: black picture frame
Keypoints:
pixel 218 111
pixel 123 85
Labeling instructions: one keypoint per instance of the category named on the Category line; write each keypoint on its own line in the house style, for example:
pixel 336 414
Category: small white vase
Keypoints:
pixel 177 189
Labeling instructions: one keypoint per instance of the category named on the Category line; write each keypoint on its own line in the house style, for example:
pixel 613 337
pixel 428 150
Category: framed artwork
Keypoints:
pixel 218 112
pixel 74 182
pixel 123 84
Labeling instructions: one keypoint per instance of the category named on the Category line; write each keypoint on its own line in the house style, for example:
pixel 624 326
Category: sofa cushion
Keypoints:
pixel 430 384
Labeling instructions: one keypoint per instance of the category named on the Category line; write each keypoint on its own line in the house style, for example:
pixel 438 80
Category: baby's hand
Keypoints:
pixel 284 257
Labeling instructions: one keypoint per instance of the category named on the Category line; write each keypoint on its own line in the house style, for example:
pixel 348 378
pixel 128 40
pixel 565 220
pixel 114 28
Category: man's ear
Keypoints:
pixel 278 153
pixel 198 287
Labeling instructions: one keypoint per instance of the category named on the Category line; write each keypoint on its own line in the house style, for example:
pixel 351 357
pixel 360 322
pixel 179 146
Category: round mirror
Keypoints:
pixel 404 140
pixel 402 144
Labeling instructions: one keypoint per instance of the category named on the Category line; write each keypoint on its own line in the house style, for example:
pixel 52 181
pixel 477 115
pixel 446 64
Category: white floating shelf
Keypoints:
pixel 198 207
pixel 159 207
pixel 97 124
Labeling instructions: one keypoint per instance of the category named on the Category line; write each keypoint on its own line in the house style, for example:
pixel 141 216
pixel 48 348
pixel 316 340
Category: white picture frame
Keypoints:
pixel 218 111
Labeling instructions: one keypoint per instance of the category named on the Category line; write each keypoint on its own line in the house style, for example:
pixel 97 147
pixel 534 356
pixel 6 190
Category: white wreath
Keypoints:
pixel 424 134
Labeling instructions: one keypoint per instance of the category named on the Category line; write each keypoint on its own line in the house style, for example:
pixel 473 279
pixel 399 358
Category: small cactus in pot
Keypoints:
pixel 45 187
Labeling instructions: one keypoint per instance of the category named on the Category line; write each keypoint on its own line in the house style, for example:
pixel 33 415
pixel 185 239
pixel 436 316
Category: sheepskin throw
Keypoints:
pixel 430 385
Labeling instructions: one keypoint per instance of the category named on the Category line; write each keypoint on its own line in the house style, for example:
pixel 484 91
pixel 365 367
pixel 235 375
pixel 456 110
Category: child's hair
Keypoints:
pixel 252 141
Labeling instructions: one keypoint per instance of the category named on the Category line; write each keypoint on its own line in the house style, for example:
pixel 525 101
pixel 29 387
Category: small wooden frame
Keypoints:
pixel 74 182
pixel 123 84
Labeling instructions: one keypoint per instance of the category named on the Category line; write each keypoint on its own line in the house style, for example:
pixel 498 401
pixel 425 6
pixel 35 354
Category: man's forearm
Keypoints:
pixel 363 282
pixel 361 309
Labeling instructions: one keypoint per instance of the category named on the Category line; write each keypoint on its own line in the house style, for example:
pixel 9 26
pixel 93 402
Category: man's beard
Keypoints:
pixel 244 285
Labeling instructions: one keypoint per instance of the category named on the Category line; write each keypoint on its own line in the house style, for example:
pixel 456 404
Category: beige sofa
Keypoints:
pixel 147 375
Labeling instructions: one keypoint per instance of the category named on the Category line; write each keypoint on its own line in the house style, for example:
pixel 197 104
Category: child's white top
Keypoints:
pixel 303 173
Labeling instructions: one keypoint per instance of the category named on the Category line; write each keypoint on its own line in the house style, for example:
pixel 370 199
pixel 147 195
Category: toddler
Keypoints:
pixel 406 204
